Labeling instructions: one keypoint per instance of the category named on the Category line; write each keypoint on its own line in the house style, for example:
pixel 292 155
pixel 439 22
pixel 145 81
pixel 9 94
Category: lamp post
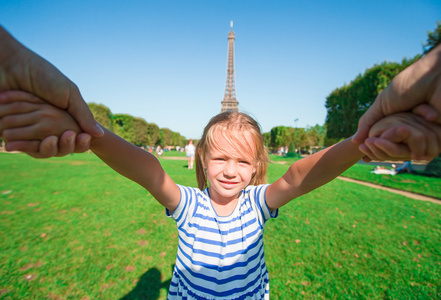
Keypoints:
pixel 295 135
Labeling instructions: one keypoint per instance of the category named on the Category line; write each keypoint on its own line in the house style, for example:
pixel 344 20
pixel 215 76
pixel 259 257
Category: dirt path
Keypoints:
pixel 392 190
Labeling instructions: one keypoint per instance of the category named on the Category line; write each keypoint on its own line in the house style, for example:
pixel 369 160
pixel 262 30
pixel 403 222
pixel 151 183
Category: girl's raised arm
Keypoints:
pixel 31 119
pixel 137 165
pixel 312 172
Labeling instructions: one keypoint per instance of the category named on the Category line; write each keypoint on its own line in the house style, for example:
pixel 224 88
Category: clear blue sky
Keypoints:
pixel 165 61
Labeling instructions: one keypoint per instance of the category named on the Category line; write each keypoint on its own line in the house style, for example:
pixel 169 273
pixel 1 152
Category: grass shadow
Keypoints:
pixel 148 286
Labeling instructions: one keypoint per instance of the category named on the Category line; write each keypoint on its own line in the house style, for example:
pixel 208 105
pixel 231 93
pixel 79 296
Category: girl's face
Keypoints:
pixel 228 170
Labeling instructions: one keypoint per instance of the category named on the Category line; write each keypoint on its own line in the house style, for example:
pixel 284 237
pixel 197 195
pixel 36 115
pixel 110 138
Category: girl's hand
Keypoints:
pixel 29 124
pixel 403 136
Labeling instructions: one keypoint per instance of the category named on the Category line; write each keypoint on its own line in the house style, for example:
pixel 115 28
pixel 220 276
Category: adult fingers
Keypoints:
pixel 370 117
pixel 426 111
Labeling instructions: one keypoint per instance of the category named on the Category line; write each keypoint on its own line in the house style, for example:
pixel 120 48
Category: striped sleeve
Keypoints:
pixel 185 202
pixel 258 196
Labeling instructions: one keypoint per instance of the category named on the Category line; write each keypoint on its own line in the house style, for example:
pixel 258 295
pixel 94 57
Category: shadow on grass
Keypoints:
pixel 148 286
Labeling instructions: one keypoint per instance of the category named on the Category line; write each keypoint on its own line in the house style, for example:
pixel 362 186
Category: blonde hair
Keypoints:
pixel 238 129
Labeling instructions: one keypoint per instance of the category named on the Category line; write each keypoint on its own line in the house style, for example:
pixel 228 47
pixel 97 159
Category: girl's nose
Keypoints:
pixel 230 168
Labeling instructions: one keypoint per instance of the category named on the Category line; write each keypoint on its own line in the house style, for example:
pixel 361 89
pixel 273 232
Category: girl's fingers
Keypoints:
pixel 27 133
pixel 18 121
pixel 17 107
pixel 377 152
pixel 23 146
pixel 369 155
pixel 397 134
pixel 66 143
pixel 82 143
pixel 392 150
pixel 48 148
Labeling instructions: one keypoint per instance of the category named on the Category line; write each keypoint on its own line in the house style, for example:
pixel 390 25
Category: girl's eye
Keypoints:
pixel 219 159
pixel 244 162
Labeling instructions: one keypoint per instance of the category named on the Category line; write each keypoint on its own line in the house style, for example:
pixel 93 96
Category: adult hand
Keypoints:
pixel 393 137
pixel 30 134
pixel 417 89
pixel 22 69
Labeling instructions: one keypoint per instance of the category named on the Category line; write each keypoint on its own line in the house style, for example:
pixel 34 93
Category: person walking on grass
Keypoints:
pixel 221 222
pixel 190 152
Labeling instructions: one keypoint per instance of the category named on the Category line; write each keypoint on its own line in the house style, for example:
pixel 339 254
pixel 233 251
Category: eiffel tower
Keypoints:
pixel 230 103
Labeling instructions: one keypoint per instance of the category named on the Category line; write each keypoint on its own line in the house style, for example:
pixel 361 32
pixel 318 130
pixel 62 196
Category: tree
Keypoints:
pixel 315 136
pixel 102 114
pixel 347 104
pixel 140 130
pixel 123 126
pixel 281 136
pixel 152 134
pixel 433 38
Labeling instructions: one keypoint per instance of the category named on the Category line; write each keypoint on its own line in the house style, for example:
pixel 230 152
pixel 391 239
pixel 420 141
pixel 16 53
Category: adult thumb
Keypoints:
pixel 78 108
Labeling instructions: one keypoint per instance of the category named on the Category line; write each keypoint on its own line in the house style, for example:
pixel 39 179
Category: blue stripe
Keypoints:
pixel 257 197
pixel 243 213
pixel 222 256
pixel 224 268
pixel 202 204
pixel 183 189
pixel 215 281
pixel 222 232
pixel 217 242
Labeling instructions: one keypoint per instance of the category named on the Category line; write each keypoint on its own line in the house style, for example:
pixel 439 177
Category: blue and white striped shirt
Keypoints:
pixel 220 257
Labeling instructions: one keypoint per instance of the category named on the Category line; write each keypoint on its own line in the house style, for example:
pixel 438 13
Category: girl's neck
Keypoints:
pixel 223 206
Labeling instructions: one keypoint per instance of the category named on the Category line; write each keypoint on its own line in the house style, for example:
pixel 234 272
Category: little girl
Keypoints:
pixel 220 223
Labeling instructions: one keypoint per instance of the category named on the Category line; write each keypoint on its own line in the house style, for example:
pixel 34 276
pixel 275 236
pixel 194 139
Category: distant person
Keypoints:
pixel 405 168
pixel 159 151
pixel 189 152
pixel 220 223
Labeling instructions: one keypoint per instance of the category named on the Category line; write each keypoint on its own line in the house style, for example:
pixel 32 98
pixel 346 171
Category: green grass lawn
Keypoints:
pixel 71 228
pixel 429 186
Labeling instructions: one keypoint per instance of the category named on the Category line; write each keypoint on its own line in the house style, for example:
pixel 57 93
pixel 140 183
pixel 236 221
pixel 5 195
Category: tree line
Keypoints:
pixel 136 130
pixel 345 105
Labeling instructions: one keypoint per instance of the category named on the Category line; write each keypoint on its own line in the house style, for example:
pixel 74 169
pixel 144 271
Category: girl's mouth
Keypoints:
pixel 228 183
